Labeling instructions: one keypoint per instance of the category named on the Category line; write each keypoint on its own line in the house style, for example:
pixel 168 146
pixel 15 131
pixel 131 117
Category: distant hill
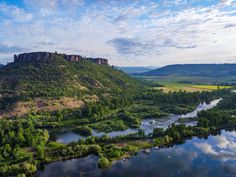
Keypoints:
pixel 58 84
pixel 135 70
pixel 1 65
pixel 210 70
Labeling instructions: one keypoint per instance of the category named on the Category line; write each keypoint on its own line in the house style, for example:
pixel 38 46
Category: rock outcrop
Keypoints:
pixel 47 56
pixel 39 56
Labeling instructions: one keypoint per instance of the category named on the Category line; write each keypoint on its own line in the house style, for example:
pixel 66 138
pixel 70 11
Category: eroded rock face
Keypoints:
pixel 39 56
pixel 101 61
pixel 47 56
pixel 73 57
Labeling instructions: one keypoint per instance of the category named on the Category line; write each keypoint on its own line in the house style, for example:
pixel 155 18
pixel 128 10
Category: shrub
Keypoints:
pixel 103 162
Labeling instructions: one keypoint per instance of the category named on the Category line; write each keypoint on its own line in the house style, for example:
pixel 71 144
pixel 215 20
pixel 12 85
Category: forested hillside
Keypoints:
pixel 69 84
pixel 211 70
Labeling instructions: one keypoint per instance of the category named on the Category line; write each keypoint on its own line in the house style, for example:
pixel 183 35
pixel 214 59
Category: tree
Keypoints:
pixel 141 133
pixel 158 132
pixel 83 130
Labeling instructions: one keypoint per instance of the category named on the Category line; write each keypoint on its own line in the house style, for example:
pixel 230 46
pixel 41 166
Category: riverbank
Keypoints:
pixel 188 159
pixel 114 149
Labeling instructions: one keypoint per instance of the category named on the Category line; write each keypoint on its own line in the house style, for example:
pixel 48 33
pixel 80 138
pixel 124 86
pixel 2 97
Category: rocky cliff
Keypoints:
pixel 47 56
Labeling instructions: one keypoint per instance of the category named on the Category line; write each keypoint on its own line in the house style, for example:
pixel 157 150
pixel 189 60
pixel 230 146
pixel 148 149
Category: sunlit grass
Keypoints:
pixel 211 87
pixel 173 86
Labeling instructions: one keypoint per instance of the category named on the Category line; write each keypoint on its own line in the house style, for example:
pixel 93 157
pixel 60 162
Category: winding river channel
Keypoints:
pixel 214 156
pixel 147 125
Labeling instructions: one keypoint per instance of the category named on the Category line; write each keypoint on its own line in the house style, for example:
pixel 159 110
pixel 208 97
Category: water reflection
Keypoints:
pixel 64 136
pixel 72 167
pixel 222 147
pixel 211 157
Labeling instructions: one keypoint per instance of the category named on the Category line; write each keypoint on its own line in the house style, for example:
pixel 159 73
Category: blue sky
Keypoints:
pixel 127 32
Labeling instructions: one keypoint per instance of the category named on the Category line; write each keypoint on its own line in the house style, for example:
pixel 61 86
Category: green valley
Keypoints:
pixel 93 101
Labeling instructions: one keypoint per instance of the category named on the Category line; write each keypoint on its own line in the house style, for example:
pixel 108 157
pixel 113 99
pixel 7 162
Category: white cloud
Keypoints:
pixel 16 14
pixel 150 35
pixel 226 2
pixel 175 2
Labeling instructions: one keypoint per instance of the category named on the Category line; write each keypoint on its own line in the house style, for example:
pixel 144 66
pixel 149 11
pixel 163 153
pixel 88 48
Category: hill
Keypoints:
pixel 209 70
pixel 1 65
pixel 135 70
pixel 57 84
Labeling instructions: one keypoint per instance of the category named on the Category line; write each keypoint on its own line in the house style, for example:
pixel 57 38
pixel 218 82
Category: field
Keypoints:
pixel 173 86
pixel 191 84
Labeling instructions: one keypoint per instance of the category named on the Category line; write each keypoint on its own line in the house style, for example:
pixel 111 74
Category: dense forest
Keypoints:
pixel 58 77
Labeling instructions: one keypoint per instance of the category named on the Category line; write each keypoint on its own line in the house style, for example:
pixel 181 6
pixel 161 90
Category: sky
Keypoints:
pixel 127 32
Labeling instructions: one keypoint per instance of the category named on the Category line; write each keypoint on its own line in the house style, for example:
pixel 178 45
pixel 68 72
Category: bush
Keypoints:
pixel 103 162
pixel 83 130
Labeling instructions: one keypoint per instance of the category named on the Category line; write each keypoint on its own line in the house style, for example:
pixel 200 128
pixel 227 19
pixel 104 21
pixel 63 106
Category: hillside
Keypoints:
pixel 135 70
pixel 1 65
pixel 210 70
pixel 57 84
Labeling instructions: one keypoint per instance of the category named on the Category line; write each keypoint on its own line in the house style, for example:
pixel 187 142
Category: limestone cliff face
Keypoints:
pixel 47 56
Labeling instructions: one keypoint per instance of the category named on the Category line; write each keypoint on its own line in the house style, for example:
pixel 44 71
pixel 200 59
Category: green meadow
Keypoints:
pixel 175 86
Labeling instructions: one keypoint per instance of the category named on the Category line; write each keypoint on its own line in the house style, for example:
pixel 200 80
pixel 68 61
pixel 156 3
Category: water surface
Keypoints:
pixel 211 157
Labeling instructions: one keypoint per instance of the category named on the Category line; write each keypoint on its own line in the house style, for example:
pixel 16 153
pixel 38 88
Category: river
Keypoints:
pixel 147 125
pixel 211 157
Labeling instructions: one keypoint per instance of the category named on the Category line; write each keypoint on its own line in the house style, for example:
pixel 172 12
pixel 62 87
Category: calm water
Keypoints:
pixel 211 157
pixel 147 125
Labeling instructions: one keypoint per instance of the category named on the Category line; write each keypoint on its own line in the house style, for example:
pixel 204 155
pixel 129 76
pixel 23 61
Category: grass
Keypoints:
pixel 173 86
pixel 70 122
pixel 211 87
